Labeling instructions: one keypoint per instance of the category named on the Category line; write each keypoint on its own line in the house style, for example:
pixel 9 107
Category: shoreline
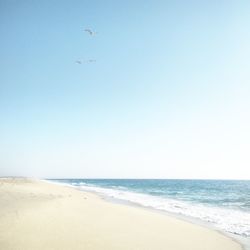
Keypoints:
pixel 113 226
pixel 237 238
pixel 244 242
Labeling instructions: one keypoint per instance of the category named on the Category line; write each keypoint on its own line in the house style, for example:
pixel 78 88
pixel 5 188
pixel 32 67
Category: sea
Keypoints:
pixel 222 204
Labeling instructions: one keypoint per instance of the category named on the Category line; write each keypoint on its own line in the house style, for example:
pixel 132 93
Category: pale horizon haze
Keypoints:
pixel 162 89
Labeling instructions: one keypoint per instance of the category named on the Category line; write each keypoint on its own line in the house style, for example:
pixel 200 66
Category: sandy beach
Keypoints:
pixel 39 215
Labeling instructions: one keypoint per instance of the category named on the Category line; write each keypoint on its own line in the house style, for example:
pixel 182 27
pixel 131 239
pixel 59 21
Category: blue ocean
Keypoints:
pixel 224 204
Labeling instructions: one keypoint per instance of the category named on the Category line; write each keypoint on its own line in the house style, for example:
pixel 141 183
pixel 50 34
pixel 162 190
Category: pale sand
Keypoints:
pixel 38 215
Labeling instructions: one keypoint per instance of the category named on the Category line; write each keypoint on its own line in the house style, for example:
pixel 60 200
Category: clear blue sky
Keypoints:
pixel 168 95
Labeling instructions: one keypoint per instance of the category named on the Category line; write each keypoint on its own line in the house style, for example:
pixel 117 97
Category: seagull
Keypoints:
pixel 90 32
pixel 85 61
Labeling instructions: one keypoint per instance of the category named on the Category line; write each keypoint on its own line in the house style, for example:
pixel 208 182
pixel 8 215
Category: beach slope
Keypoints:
pixel 39 215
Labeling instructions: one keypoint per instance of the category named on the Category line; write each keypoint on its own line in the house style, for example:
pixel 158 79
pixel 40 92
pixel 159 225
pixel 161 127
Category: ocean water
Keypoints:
pixel 223 204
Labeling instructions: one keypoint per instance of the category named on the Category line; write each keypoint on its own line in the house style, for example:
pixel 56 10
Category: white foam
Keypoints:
pixel 228 220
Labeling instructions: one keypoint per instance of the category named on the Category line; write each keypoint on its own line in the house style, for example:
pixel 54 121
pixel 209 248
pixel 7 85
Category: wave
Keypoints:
pixel 228 220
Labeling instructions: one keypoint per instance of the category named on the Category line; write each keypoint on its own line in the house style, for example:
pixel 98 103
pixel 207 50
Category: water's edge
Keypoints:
pixel 240 240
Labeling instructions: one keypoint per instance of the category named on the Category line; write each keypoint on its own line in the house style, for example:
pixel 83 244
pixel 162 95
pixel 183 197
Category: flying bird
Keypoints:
pixel 90 32
pixel 85 61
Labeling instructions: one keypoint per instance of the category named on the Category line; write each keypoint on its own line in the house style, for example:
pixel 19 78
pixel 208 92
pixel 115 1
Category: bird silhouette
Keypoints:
pixel 90 32
pixel 85 61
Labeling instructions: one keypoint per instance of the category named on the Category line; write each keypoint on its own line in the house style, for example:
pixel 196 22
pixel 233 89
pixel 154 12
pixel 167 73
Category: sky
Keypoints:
pixel 168 95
